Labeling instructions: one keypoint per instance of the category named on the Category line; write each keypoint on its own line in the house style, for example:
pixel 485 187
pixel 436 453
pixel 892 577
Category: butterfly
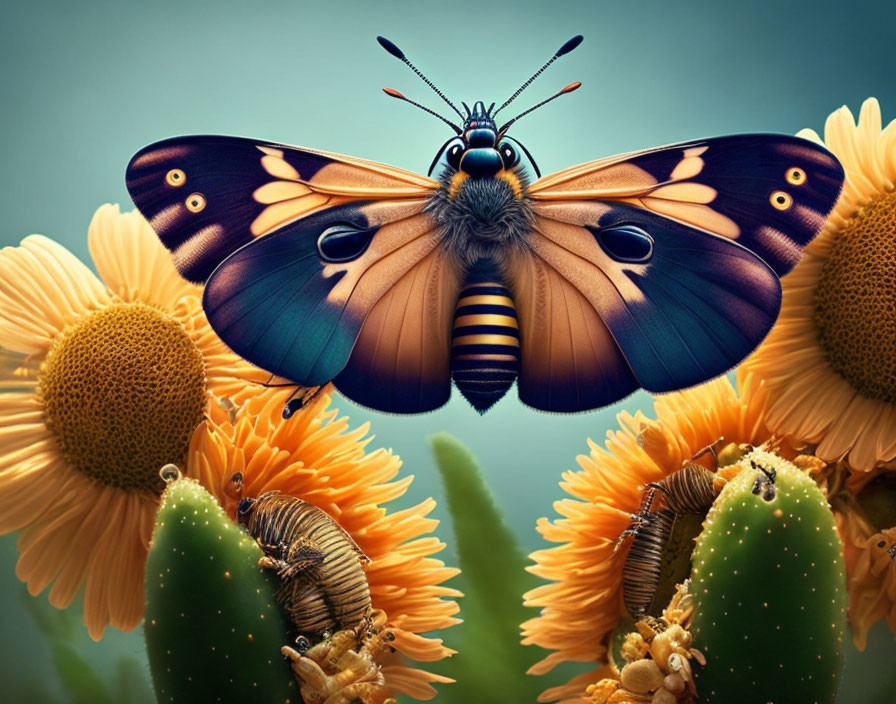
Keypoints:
pixel 657 269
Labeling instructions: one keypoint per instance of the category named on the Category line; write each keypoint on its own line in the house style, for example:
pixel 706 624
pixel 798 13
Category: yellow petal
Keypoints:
pixel 132 260
pixel 43 288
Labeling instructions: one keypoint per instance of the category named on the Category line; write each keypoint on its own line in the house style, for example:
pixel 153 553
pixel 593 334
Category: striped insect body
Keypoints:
pixel 485 344
pixel 670 516
pixel 689 490
pixel 323 583
pixel 643 564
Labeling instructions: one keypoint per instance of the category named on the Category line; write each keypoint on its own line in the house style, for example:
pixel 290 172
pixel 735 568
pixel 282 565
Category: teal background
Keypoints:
pixel 84 85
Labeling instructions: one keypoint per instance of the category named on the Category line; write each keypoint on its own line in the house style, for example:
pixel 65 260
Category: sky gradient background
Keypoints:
pixel 85 85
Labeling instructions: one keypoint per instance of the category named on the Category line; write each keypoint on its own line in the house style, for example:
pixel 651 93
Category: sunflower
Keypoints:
pixel 104 383
pixel 582 605
pixel 316 456
pixel 830 362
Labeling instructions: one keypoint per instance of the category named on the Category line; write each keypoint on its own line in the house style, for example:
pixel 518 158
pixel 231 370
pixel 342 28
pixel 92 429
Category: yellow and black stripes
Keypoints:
pixel 485 345
pixel 324 587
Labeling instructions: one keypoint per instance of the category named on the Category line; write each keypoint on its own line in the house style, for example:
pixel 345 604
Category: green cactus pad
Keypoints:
pixel 213 628
pixel 770 592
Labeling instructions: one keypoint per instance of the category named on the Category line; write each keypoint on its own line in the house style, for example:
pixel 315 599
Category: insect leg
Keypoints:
pixel 659 486
pixel 296 560
pixel 639 518
pixel 712 449
pixel 338 645
pixel 272 563
pixel 308 672
pixel 300 398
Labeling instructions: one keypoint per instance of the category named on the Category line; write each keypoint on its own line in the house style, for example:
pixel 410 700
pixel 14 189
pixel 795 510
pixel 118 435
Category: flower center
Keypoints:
pixel 123 389
pixel 855 301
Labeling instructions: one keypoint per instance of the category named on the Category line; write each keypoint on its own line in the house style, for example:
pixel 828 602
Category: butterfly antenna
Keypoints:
pixel 399 54
pixel 569 89
pixel 396 94
pixel 565 49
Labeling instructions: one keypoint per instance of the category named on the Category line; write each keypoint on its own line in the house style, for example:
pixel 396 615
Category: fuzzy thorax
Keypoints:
pixel 482 218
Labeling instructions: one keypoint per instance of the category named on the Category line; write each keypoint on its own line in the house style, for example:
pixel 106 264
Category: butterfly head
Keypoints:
pixel 480 149
pixel 476 152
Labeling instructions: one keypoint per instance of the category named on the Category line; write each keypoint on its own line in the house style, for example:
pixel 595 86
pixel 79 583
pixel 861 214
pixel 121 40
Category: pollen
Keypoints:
pixel 855 300
pixel 123 390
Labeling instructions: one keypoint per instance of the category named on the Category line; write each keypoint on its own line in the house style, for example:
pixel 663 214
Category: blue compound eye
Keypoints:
pixel 453 155
pixel 509 155
pixel 514 155
pixel 245 506
pixel 448 157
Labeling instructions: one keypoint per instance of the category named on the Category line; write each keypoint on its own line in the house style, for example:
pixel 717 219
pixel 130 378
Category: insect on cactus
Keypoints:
pixel 658 555
pixel 323 585
pixel 768 566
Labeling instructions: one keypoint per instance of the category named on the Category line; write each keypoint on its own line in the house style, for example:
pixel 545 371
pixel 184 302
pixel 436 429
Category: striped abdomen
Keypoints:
pixel 689 489
pixel 643 564
pixel 485 345
pixel 330 591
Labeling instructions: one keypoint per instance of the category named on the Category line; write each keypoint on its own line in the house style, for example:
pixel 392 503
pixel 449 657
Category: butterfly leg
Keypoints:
pixel 300 398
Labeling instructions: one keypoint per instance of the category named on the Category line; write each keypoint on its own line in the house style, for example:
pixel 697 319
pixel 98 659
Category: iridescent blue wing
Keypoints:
pixel 318 266
pixel 374 319
pixel 667 263
pixel 207 196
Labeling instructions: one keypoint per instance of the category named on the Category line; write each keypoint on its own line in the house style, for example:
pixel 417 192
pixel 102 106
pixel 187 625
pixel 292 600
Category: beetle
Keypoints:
pixel 324 585
pixel 688 490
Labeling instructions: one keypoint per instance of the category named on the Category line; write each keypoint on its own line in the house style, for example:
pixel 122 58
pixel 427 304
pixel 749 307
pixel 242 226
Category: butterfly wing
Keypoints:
pixel 207 196
pixel 374 315
pixel 728 186
pixel 569 360
pixel 668 263
pixel 401 359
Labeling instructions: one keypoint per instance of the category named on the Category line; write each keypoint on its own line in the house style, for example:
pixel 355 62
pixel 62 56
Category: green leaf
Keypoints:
pixel 491 663
pixel 79 680
pixel 55 624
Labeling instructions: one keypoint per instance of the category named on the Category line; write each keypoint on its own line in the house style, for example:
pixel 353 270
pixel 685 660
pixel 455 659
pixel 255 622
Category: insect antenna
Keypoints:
pixel 565 49
pixel 569 89
pixel 399 54
pixel 396 94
